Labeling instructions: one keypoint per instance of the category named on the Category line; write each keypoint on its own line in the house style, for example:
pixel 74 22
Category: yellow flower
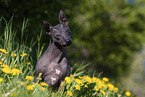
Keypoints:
pixel 95 79
pixel 111 87
pixel 14 54
pixel 115 90
pixel 13 94
pixel 127 93
pixel 29 78
pixel 28 63
pixel 69 93
pixel 105 79
pixel 40 74
pixel 102 92
pixel 88 79
pixel 16 66
pixel 43 88
pixel 6 69
pixel 99 84
pixel 16 71
pixel 77 87
pixel 80 77
pixel 62 83
pixel 78 81
pixel 96 88
pixel 104 85
pixel 1 62
pixel 3 51
pixel 1 79
pixel 25 54
pixel 86 86
pixel 71 75
pixel 30 87
pixel 68 80
pixel 38 84
pixel 52 93
pixel 44 84
pixel 5 66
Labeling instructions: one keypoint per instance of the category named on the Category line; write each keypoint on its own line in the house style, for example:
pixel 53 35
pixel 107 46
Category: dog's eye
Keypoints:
pixel 57 36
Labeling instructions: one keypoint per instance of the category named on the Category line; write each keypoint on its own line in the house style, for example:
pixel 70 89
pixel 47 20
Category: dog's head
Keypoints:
pixel 60 34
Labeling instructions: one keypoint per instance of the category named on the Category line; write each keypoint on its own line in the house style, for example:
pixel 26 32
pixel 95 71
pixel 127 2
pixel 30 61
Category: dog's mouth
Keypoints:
pixel 68 43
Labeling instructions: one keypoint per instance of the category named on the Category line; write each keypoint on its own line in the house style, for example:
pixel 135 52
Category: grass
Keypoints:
pixel 17 73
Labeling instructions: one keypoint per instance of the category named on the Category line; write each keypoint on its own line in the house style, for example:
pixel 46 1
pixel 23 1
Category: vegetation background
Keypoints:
pixel 108 34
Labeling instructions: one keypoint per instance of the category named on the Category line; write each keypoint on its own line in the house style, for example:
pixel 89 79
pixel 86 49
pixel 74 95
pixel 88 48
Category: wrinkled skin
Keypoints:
pixel 53 64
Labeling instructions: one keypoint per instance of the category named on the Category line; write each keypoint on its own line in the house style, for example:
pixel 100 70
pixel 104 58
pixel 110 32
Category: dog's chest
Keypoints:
pixel 59 69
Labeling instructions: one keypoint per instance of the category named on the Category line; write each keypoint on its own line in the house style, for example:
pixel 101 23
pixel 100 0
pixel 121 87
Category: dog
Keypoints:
pixel 53 64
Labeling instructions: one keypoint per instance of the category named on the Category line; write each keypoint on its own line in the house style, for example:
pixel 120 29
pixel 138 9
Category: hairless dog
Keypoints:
pixel 53 64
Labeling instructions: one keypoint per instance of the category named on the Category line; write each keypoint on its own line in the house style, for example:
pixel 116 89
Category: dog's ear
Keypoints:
pixel 47 27
pixel 62 18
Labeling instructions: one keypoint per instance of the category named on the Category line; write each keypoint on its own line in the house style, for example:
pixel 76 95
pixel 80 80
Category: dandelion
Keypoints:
pixel 43 88
pixel 29 78
pixel 71 75
pixel 25 54
pixel 6 69
pixel 3 51
pixel 111 87
pixel 1 79
pixel 88 79
pixel 30 87
pixel 96 89
pixel 68 80
pixel 16 71
pixel 69 93
pixel 86 86
pixel 95 79
pixel 28 63
pixel 77 87
pixel 99 84
pixel 115 90
pixel 44 84
pixel 102 92
pixel 40 74
pixel 16 66
pixel 104 85
pixel 80 77
pixel 14 54
pixel 5 66
pixel 127 93
pixel 62 83
pixel 105 79
pixel 78 81
pixel 38 85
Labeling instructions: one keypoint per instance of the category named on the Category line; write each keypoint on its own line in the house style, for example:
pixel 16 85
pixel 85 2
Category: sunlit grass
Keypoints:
pixel 17 74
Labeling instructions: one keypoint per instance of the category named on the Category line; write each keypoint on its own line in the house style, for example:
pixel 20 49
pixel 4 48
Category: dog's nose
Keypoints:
pixel 69 42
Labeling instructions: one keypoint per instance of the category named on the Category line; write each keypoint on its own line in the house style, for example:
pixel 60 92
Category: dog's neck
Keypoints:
pixel 56 52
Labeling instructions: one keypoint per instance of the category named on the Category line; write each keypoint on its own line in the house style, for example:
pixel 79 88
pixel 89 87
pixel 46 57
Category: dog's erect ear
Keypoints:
pixel 62 18
pixel 47 27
